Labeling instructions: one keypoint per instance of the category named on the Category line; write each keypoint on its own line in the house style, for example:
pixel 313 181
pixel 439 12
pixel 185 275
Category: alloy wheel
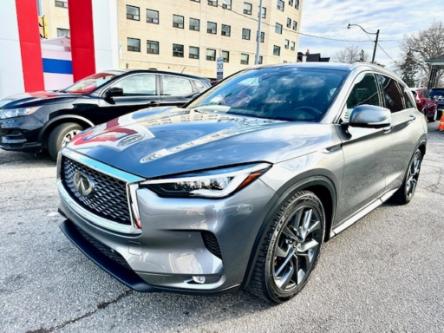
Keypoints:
pixel 297 248
pixel 69 136
pixel 413 174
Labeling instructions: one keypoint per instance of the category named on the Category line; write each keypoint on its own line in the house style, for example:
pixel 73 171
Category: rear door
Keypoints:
pixel 401 138
pixel 364 152
pixel 176 90
pixel 140 90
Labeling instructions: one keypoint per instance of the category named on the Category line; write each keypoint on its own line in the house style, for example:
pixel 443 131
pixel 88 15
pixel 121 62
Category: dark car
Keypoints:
pixel 425 104
pixel 47 120
pixel 437 94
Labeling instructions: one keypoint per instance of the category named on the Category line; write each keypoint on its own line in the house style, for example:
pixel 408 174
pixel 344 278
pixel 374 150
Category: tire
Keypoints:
pixel 273 280
pixel 407 190
pixel 59 136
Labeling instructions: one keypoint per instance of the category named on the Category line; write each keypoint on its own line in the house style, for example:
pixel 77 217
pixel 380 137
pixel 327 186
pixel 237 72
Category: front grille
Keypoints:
pixel 108 198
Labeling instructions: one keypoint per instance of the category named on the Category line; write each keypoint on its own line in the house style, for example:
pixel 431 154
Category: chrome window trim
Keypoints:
pixel 131 181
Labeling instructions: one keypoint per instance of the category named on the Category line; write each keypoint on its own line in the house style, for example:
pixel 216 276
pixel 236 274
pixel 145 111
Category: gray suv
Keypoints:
pixel 241 187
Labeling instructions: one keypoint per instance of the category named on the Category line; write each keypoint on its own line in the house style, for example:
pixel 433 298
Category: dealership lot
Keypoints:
pixel 385 273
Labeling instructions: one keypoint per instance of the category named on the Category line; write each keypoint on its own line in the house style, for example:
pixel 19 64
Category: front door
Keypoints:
pixel 364 173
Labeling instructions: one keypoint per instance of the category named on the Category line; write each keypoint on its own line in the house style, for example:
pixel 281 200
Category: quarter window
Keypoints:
pixel 139 84
pixel 176 86
pixel 132 13
pixel 133 44
pixel 178 21
pixel 194 24
pixel 152 16
pixel 391 93
pixel 178 50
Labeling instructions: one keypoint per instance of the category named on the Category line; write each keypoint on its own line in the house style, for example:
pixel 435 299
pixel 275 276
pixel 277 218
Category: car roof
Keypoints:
pixel 132 71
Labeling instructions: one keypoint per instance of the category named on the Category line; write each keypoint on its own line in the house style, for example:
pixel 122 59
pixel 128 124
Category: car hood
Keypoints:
pixel 35 99
pixel 153 143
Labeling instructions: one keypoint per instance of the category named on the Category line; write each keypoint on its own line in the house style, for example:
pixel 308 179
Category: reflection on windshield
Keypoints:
pixel 284 93
pixel 90 83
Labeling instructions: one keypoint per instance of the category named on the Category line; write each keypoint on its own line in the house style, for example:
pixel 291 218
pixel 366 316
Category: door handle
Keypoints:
pixel 411 119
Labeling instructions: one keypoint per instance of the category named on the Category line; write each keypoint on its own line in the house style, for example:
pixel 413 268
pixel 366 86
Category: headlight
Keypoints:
pixel 11 113
pixel 216 183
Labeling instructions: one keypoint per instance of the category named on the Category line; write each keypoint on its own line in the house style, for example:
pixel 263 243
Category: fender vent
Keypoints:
pixel 211 243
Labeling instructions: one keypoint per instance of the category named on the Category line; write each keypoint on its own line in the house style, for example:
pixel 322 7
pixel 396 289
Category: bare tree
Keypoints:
pixel 351 55
pixel 425 45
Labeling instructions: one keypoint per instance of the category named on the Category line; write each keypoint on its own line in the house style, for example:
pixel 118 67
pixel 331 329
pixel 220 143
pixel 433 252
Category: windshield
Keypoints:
pixel 89 83
pixel 283 93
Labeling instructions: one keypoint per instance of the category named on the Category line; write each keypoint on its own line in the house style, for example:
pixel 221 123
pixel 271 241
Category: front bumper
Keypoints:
pixel 181 239
pixel 20 134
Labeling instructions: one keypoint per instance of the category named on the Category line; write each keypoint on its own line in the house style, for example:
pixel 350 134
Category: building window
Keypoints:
pixel 276 50
pixel 248 8
pixel 178 50
pixel 61 3
pixel 226 4
pixel 293 46
pixel 194 52
pixel 212 3
pixel 245 58
pixel 288 22
pixel 280 5
pixel 152 16
pixel 62 32
pixel 295 25
pixel 260 60
pixel 296 4
pixel 194 24
pixel 287 44
pixel 178 21
pixel 211 54
pixel 225 56
pixel 264 12
pixel 195 0
pixel 262 37
pixel 212 27
pixel 290 2
pixel 226 30
pixel 133 44
pixel 132 13
pixel 278 28
pixel 152 47
pixel 246 33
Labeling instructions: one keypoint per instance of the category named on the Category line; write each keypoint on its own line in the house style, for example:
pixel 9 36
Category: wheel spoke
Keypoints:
pixel 304 247
pixel 282 253
pixel 290 234
pixel 283 281
pixel 315 226
pixel 285 263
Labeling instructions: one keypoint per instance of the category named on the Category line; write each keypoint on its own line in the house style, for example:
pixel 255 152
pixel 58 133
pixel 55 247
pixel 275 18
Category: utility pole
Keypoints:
pixel 368 33
pixel 376 46
pixel 258 36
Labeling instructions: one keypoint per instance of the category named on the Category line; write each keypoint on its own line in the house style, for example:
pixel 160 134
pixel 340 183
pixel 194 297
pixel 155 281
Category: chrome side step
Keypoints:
pixel 361 213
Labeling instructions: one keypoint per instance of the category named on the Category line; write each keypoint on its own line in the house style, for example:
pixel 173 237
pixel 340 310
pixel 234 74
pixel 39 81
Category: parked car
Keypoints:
pixel 437 94
pixel 49 119
pixel 241 187
pixel 425 104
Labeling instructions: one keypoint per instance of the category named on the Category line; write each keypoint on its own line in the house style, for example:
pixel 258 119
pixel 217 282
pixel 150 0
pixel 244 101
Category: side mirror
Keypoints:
pixel 113 92
pixel 370 116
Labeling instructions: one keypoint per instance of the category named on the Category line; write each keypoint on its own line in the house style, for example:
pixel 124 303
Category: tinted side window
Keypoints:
pixel 392 95
pixel 408 99
pixel 364 91
pixel 176 86
pixel 140 84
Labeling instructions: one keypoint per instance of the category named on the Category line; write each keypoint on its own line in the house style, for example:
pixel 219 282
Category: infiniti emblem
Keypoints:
pixel 83 184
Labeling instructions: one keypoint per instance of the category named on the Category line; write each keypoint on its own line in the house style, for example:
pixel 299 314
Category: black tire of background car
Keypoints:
pixel 56 136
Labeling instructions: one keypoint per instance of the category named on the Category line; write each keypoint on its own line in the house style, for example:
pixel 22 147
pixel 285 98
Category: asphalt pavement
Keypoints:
pixel 383 274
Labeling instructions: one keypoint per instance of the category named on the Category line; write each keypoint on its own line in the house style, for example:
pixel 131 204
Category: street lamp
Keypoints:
pixel 368 33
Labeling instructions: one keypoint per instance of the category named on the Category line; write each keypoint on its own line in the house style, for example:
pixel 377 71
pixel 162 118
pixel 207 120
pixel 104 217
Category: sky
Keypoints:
pixel 395 19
